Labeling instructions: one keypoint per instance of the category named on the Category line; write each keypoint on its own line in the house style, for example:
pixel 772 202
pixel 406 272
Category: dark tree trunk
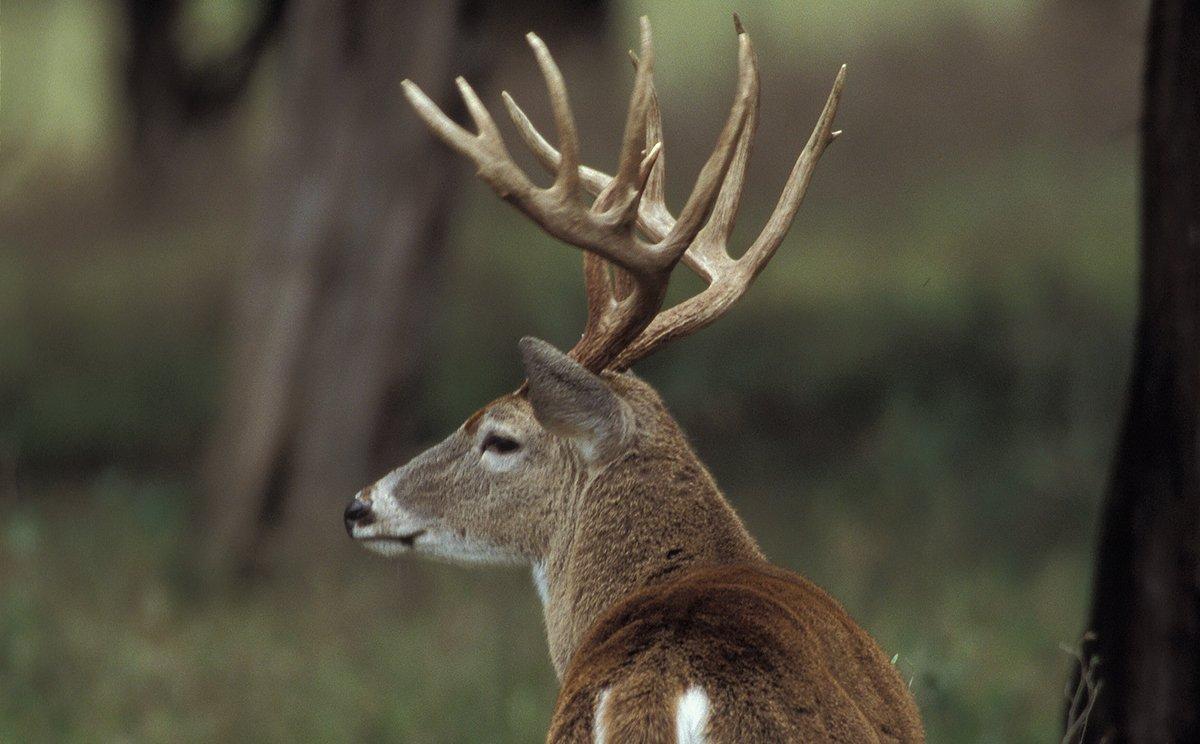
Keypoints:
pixel 333 320
pixel 166 95
pixel 1146 612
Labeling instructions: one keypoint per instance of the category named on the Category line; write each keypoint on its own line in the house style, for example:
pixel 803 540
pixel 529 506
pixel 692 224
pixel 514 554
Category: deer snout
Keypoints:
pixel 358 513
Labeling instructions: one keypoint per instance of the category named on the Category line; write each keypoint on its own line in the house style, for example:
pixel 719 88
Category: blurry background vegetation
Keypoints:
pixel 914 406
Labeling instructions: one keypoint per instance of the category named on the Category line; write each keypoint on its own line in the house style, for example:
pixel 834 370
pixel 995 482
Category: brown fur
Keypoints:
pixel 689 600
pixel 779 659
pixel 649 514
pixel 471 425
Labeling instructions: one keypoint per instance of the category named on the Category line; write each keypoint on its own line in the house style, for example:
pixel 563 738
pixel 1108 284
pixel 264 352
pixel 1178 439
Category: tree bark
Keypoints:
pixel 334 314
pixel 166 95
pixel 1146 607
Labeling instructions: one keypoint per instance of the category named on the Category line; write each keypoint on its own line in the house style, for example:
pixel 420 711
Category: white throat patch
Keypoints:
pixel 540 583
pixel 599 734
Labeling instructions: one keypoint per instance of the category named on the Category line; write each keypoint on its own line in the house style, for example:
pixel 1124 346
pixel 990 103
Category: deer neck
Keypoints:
pixel 638 523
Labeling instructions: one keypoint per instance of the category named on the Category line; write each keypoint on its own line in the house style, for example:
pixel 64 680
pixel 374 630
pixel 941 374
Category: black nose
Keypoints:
pixel 358 512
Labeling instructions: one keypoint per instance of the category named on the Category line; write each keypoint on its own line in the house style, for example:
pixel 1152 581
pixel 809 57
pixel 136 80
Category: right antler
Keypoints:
pixel 606 229
pixel 708 255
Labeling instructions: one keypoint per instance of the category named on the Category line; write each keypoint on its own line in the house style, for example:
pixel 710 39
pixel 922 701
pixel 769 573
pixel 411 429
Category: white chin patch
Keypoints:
pixel 453 547
pixel 443 545
pixel 389 548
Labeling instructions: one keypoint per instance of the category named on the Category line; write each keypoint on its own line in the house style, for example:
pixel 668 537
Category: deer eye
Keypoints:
pixel 501 445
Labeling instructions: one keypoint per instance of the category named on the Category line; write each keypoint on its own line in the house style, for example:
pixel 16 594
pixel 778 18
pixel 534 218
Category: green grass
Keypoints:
pixel 102 637
pixel 101 640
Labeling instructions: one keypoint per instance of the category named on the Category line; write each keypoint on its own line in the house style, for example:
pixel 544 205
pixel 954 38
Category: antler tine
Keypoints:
pixel 720 223
pixel 654 202
pixel 626 185
pixel 699 204
pixel 730 281
pixel 567 178
pixel 555 209
pixel 764 247
pixel 653 218
pixel 452 134
pixel 489 133
pixel 593 181
pixel 708 252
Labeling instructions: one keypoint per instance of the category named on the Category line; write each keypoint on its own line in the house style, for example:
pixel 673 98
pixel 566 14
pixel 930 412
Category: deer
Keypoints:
pixel 665 621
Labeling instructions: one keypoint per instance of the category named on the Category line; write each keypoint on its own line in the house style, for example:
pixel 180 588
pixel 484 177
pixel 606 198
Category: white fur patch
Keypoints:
pixel 453 547
pixel 498 462
pixel 691 716
pixel 599 735
pixel 383 486
pixel 540 583
pixel 447 545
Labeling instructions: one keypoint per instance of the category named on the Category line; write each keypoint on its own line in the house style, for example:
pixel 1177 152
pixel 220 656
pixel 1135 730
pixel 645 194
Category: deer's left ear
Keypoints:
pixel 569 401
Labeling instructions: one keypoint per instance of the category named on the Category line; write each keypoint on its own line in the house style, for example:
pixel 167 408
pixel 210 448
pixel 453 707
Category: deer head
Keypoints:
pixel 582 472
pixel 496 488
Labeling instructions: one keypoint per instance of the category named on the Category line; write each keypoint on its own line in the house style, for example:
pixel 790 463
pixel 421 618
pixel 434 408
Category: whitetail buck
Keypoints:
pixel 665 621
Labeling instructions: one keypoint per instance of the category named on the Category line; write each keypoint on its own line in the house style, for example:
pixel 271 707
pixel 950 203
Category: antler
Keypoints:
pixel 606 229
pixel 708 255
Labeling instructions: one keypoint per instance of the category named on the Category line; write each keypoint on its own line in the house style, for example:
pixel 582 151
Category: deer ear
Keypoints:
pixel 569 401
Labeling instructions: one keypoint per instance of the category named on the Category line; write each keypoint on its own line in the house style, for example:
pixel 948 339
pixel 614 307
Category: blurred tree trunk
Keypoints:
pixel 166 94
pixel 335 309
pixel 1146 609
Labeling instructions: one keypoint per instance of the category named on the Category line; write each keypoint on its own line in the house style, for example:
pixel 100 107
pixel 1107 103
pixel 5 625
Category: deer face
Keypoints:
pixel 494 489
